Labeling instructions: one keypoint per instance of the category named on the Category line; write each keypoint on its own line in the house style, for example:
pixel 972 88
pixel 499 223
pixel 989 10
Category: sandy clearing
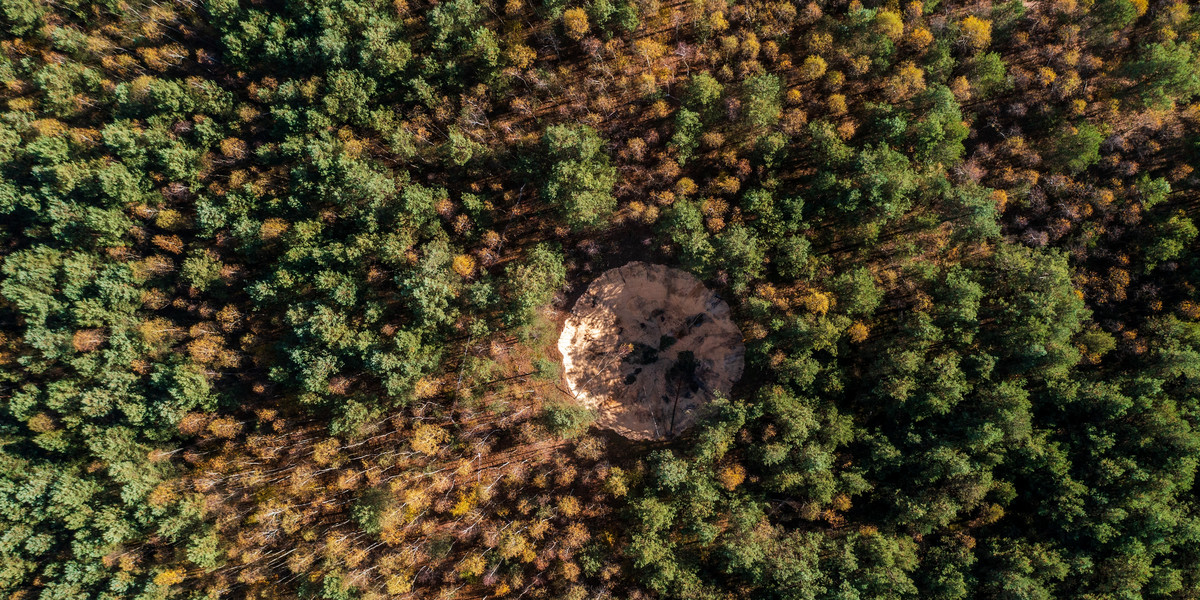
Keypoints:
pixel 646 346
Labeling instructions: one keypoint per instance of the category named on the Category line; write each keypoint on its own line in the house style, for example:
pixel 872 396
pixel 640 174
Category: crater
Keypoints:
pixel 646 347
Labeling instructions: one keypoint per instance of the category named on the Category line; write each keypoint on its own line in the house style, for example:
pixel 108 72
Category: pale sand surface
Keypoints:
pixel 622 347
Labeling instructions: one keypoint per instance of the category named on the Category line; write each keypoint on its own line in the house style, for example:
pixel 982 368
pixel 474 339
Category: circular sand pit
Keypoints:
pixel 646 346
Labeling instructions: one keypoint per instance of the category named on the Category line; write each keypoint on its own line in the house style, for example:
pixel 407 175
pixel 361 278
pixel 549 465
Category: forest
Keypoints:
pixel 281 283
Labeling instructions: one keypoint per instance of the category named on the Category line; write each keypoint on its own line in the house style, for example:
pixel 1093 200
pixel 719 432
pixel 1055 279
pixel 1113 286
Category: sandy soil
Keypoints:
pixel 646 346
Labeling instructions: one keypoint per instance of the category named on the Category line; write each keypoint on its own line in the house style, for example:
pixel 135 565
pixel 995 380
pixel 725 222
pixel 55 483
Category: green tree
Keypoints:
pixel 856 292
pixel 762 100
pixel 579 179
pixel 938 136
pixel 1170 239
pixel 1079 148
pixel 687 127
pixel 200 269
pixel 703 94
pixel 792 256
pixel 684 223
pixel 742 255
pixel 533 282
pixel 567 420
pixel 1167 72
pixel 20 16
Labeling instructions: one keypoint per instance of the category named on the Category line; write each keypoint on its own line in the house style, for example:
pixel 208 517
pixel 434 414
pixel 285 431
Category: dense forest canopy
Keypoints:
pixel 281 283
